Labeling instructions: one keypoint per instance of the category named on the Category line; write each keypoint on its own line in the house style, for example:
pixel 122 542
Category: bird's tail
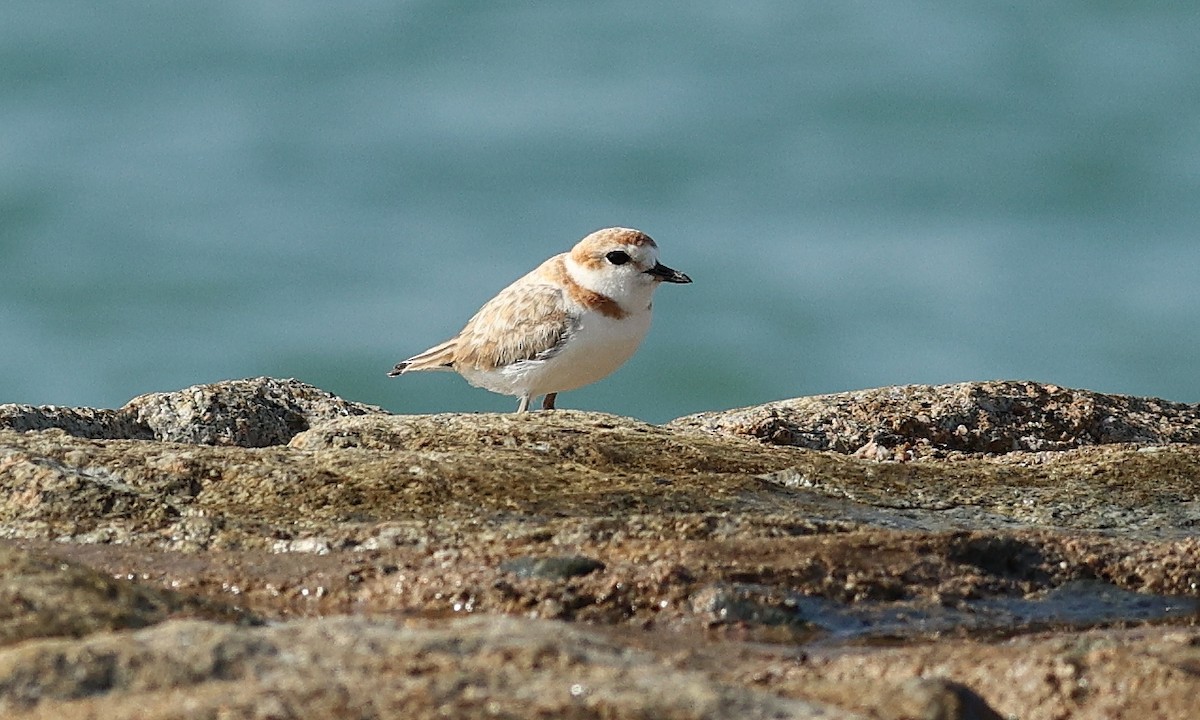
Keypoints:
pixel 438 357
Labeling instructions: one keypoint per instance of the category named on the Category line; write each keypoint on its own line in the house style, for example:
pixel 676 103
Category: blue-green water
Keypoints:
pixel 864 193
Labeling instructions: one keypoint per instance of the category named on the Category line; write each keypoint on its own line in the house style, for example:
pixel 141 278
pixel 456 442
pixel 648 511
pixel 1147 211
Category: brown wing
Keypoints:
pixel 526 320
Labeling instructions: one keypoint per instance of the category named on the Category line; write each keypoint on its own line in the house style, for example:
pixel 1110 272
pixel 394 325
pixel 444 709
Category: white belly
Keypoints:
pixel 598 347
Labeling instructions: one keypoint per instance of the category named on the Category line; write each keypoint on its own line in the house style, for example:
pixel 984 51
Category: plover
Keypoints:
pixel 572 321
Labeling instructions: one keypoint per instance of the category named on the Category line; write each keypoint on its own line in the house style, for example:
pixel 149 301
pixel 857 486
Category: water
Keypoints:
pixel 1076 604
pixel 865 194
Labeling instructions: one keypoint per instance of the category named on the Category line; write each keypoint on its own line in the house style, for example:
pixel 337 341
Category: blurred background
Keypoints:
pixel 865 194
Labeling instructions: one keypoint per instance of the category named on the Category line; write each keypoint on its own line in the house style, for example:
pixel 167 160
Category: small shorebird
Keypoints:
pixel 574 320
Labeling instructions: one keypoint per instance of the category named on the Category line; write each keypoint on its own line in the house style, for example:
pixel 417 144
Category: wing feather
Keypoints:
pixel 438 357
pixel 526 321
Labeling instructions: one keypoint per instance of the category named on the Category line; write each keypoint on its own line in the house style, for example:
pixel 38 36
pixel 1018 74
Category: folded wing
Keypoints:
pixel 528 320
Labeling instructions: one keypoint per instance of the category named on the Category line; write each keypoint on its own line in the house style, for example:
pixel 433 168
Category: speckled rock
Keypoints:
pixel 360 668
pixel 1099 674
pixel 907 421
pixel 80 422
pixel 696 556
pixel 250 413
pixel 256 412
pixel 42 596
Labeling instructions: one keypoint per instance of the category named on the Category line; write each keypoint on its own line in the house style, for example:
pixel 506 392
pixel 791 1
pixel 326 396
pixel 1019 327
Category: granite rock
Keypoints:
pixel 907 421
pixel 256 412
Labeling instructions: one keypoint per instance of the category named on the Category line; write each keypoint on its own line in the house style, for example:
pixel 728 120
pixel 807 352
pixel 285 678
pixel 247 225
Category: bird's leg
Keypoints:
pixel 523 406
pixel 548 401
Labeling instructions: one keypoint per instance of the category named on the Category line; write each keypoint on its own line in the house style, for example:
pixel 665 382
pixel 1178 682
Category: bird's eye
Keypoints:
pixel 618 257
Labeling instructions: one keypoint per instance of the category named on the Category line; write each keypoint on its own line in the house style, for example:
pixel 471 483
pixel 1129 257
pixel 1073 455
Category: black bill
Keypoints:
pixel 666 274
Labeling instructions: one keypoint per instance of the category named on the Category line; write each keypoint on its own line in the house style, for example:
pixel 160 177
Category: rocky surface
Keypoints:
pixel 43 597
pixel 911 421
pixel 249 413
pixel 356 667
pixel 261 548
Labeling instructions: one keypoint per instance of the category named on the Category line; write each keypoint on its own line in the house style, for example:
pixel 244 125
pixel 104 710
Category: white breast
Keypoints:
pixel 598 346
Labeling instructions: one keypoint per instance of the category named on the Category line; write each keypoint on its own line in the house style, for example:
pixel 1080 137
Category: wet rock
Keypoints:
pixel 561 567
pixel 1087 603
pixel 910 421
pixel 1004 556
pixel 742 603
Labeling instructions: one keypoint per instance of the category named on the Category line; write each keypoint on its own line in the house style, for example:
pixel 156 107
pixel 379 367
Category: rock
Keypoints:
pixel 563 438
pixel 935 699
pixel 362 668
pixel 917 698
pixel 42 596
pixel 561 567
pixel 1096 674
pixel 416 561
pixel 257 412
pixel 80 422
pixel 740 603
pixel 908 421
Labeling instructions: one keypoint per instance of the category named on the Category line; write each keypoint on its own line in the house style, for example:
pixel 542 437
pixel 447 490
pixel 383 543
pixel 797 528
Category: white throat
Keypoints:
pixel 630 289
